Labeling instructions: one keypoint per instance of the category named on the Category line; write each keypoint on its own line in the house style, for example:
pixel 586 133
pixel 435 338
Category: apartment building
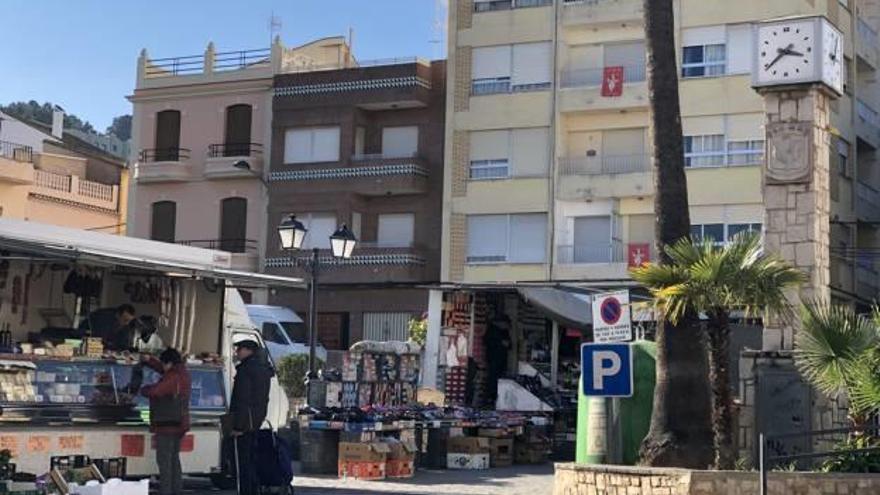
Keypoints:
pixel 50 176
pixel 548 171
pixel 201 135
pixel 361 146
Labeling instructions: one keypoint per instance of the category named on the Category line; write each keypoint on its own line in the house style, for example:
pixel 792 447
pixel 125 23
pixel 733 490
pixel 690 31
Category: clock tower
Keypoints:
pixel 798 68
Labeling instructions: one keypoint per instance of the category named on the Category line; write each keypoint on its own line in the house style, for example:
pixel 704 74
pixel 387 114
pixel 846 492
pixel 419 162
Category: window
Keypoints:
pixel 592 240
pixel 320 227
pixel 384 327
pixel 704 151
pixel 167 136
pixel 738 228
pixel 509 153
pixel 238 131
pixel 296 332
pixel 745 152
pixel 720 233
pixel 704 60
pixel 396 230
pixel 519 238
pixel 493 5
pixel 842 158
pixel 233 225
pixel 271 333
pixel 506 68
pixel 630 55
pixel 400 142
pixel 164 221
pixel 309 145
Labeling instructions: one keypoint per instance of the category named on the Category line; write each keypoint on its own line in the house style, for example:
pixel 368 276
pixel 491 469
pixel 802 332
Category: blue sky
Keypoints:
pixel 82 54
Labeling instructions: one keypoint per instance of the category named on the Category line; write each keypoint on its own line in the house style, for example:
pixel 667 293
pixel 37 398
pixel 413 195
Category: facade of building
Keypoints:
pixel 49 176
pixel 361 146
pixel 201 134
pixel 548 172
pixel 109 143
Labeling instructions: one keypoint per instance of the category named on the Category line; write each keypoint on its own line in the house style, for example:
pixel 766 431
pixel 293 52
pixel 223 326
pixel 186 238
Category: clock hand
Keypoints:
pixel 782 52
pixel 792 52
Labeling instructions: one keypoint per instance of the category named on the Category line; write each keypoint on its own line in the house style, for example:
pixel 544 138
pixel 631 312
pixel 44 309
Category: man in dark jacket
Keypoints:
pixel 248 408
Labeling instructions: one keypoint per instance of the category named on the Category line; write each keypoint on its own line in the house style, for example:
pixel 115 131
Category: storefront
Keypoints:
pixel 64 395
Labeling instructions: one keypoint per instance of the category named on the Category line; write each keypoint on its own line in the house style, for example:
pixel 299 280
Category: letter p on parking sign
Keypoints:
pixel 606 370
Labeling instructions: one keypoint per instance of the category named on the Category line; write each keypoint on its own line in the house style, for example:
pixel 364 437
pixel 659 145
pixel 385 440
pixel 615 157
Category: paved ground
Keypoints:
pixel 517 480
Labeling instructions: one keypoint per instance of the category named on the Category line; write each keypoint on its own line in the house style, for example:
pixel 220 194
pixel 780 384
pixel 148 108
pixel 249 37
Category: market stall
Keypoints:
pixel 65 393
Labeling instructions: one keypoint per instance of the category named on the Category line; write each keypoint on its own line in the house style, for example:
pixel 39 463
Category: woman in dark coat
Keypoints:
pixel 175 383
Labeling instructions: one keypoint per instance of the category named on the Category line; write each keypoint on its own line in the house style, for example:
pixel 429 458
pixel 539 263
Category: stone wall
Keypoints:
pixel 574 479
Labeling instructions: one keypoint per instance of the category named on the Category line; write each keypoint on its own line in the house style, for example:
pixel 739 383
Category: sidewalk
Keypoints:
pixel 515 480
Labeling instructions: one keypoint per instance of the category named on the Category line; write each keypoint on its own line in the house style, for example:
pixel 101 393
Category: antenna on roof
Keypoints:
pixel 439 27
pixel 274 26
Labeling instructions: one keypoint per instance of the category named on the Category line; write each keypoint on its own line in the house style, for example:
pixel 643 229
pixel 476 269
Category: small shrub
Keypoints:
pixel 855 462
pixel 292 371
pixel 418 330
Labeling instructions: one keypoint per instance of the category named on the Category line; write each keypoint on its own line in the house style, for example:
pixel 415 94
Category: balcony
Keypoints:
pixel 76 191
pixel 500 5
pixel 868 45
pixel 372 85
pixel 367 175
pixel 867 203
pixel 581 90
pixel 867 123
pixel 590 262
pixel 604 176
pixel 222 157
pixel 579 12
pixel 16 163
pixel 371 263
pixel 244 253
pixel 163 165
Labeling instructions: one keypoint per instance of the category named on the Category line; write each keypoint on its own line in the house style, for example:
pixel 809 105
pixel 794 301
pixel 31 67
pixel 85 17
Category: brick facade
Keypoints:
pixel 465 13
pixel 457 246
pixel 460 162
pixel 462 84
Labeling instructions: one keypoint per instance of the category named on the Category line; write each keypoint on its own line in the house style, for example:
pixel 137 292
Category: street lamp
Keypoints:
pixel 291 234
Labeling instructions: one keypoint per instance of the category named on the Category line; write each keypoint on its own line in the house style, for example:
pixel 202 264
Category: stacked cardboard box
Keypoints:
pixel 501 452
pixel 533 446
pixel 467 453
pixel 401 460
pixel 363 461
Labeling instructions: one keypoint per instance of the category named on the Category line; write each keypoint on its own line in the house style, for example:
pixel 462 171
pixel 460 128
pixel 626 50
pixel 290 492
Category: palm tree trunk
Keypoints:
pixel 680 424
pixel 722 396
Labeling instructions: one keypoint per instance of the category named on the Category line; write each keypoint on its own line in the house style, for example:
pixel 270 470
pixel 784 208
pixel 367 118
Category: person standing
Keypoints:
pixel 169 416
pixel 248 408
pixel 128 326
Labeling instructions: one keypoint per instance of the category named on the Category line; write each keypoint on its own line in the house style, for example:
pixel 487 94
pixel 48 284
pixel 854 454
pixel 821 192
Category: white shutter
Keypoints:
pixel 396 230
pixel 383 327
pixel 584 57
pixel 321 226
pixel 531 151
pixel 532 64
pixel 400 141
pixel 707 35
pixel 326 144
pixel 356 224
pixel 528 238
pixel 623 142
pixel 490 145
pixel 625 54
pixel 739 49
pixel 490 62
pixel 487 238
pixel 298 146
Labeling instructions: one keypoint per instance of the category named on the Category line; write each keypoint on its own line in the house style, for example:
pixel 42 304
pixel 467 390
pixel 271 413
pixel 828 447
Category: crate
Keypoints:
pixel 400 468
pixel 501 452
pixel 369 471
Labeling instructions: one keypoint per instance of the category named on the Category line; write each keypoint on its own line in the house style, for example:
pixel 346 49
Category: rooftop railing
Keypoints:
pixel 16 152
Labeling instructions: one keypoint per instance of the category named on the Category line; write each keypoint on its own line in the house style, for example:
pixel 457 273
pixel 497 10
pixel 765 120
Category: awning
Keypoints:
pixel 63 244
pixel 570 309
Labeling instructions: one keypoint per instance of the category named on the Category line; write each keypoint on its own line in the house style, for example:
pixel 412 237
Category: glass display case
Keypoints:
pixel 97 390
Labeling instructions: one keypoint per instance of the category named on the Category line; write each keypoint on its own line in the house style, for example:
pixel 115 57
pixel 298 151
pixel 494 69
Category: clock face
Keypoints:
pixel 832 57
pixel 787 52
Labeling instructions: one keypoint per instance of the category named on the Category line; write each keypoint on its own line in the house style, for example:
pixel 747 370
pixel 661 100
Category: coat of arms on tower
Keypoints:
pixel 789 153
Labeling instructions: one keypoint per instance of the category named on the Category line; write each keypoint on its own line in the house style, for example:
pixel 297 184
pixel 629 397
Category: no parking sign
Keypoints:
pixel 611 318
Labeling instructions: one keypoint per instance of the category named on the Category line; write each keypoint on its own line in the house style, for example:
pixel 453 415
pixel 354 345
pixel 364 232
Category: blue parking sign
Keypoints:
pixel 606 370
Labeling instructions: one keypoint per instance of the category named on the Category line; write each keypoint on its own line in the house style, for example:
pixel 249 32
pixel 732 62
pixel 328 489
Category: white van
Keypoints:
pixel 283 331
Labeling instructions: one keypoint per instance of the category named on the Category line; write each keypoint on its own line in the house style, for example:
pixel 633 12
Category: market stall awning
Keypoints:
pixel 62 243
pixel 570 309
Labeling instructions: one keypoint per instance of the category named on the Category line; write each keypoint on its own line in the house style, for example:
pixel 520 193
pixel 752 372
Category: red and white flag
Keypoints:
pixel 638 254
pixel 612 81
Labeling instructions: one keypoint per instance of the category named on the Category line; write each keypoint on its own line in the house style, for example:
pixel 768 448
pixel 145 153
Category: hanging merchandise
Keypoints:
pixel 16 293
pixel 26 296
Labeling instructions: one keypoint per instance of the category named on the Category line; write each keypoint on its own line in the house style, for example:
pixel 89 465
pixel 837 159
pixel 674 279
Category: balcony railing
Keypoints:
pixel 234 149
pixel 198 64
pixel 373 157
pixel 502 85
pixel 495 5
pixel 586 78
pixel 76 190
pixel 603 164
pixel 164 154
pixel 868 204
pixel 16 152
pixel 598 253
pixel 228 245
pixel 870 119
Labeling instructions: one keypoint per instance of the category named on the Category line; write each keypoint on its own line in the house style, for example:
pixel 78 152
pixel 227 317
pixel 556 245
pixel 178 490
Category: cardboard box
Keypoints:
pixel 467 461
pixel 363 452
pixel 400 468
pixel 401 451
pixel 467 445
pixel 369 471
pixel 501 454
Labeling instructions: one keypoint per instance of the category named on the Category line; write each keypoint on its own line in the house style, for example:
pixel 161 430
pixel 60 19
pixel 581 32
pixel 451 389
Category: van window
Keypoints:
pixel 271 333
pixel 296 331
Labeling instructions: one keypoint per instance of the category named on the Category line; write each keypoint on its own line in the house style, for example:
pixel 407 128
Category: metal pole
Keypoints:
pixel 313 319
pixel 762 465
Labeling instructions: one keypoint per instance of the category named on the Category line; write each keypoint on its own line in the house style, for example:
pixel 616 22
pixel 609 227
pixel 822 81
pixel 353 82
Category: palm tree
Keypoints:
pixel 680 422
pixel 837 352
pixel 715 281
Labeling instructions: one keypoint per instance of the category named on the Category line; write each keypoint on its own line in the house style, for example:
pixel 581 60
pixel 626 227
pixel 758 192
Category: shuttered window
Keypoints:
pixel 519 238
pixel 530 149
pixel 509 153
pixel 317 144
pixel 396 230
pixel 400 141
pixel 320 227
pixel 164 221
pixel 532 66
pixel 490 154
pixel 383 327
